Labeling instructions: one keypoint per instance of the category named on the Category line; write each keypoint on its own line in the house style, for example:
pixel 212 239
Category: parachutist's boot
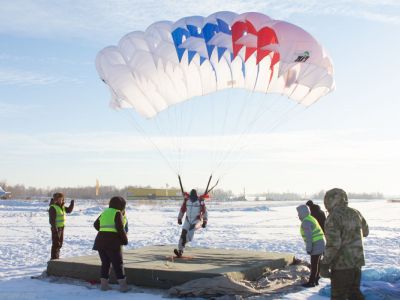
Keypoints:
pixel 104 286
pixel 317 281
pixel 123 286
pixel 308 284
pixel 178 253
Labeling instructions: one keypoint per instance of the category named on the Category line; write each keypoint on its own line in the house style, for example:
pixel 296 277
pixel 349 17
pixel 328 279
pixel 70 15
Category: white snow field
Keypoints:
pixel 257 225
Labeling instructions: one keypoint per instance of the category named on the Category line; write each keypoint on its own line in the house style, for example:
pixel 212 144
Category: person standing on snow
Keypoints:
pixel 196 217
pixel 314 238
pixel 345 228
pixel 57 217
pixel 111 235
pixel 317 213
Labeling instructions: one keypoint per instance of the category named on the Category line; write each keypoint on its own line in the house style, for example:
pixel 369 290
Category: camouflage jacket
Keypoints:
pixel 344 229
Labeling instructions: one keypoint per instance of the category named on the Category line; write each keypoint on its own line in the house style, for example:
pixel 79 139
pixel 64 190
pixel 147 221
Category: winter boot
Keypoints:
pixel 308 284
pixel 317 281
pixel 123 286
pixel 104 286
pixel 178 253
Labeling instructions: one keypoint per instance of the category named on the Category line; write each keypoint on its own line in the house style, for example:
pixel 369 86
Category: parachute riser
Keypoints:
pixel 180 183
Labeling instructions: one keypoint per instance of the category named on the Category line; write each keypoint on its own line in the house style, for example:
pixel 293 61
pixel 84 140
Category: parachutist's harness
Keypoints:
pixel 208 189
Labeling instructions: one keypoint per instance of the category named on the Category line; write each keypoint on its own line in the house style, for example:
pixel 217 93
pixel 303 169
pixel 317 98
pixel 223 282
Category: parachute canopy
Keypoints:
pixel 171 62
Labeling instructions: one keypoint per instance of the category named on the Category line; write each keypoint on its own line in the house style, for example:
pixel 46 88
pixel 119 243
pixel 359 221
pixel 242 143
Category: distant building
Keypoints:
pixel 150 193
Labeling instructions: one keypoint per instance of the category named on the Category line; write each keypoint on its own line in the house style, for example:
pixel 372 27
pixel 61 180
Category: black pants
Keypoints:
pixel 57 239
pixel 113 257
pixel 314 274
pixel 346 284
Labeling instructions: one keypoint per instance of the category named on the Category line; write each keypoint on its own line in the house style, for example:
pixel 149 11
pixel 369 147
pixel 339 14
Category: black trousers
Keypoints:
pixel 314 274
pixel 346 284
pixel 113 257
pixel 57 239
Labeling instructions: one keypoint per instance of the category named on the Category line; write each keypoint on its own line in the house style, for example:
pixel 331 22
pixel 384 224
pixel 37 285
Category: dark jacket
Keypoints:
pixel 112 240
pixel 317 213
pixel 53 213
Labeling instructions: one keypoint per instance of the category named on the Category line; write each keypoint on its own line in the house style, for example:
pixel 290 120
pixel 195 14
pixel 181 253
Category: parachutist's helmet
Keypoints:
pixel 335 197
pixel 117 202
pixel 193 195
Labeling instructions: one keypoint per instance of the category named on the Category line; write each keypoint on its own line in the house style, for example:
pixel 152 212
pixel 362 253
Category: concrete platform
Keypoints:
pixel 155 266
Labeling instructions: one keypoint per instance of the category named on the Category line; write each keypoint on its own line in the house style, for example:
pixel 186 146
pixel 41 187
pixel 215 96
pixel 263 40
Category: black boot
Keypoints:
pixel 317 281
pixel 308 284
pixel 178 253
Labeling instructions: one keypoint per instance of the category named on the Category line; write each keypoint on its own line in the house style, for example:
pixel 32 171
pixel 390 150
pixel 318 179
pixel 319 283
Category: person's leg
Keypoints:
pixel 55 244
pixel 117 263
pixel 190 234
pixel 61 236
pixel 105 264
pixel 355 292
pixel 104 270
pixel 118 266
pixel 317 277
pixel 341 281
pixel 314 267
pixel 182 240
pixel 313 271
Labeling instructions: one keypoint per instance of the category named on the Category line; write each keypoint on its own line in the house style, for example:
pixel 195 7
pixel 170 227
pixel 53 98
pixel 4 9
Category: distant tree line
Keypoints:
pixel 351 195
pixel 89 192
pixel 20 191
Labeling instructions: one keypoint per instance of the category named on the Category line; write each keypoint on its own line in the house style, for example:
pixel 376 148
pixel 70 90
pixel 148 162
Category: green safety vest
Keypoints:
pixel 107 218
pixel 317 233
pixel 60 215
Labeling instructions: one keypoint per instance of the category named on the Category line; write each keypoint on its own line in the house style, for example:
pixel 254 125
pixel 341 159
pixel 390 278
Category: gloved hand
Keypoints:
pixel 324 271
pixel 204 224
pixel 309 252
pixel 180 221
pixel 72 201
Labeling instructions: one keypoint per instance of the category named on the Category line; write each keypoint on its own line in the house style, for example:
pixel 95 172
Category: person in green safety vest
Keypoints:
pixel 57 213
pixel 109 240
pixel 314 238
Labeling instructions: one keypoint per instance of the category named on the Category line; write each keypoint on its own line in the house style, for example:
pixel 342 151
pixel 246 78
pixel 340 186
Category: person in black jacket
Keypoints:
pixel 317 213
pixel 109 240
pixel 57 212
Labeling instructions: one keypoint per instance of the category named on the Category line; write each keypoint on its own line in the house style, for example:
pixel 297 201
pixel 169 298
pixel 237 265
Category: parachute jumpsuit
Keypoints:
pixel 196 214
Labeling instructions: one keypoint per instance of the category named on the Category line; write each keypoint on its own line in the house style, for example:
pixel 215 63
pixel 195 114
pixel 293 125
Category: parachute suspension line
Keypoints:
pixel 246 129
pixel 223 136
pixel 275 125
pixel 162 134
pixel 215 132
pixel 235 145
pixel 177 137
pixel 140 130
pixel 237 124
pixel 187 116
pixel 172 135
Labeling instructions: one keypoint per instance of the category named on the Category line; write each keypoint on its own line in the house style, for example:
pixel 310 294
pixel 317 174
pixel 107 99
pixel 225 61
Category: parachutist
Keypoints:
pixel 196 216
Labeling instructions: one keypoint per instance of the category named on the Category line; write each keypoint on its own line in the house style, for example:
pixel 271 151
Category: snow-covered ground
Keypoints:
pixel 260 225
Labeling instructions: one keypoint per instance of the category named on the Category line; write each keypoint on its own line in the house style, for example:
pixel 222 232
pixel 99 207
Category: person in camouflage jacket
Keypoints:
pixel 345 228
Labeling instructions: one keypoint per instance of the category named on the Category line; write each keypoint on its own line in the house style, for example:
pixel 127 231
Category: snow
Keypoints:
pixel 257 225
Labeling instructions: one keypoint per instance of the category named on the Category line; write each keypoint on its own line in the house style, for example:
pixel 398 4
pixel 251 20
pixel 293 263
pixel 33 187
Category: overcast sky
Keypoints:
pixel 57 129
